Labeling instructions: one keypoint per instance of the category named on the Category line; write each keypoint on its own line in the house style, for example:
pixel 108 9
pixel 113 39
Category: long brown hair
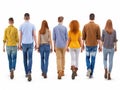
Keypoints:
pixel 44 26
pixel 74 26
pixel 109 26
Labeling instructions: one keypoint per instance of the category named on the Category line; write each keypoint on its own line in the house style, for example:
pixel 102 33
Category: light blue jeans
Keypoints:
pixel 12 55
pixel 107 52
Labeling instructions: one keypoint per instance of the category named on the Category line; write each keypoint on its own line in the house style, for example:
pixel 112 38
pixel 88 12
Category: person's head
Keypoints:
pixel 44 26
pixel 109 26
pixel 92 16
pixel 26 16
pixel 74 26
pixel 11 20
pixel 60 19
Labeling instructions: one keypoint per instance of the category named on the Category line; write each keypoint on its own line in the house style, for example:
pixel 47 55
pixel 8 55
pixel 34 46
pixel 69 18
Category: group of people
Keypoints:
pixel 73 41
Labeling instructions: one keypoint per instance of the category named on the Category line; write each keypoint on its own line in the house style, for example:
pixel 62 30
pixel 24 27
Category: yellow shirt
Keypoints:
pixel 74 39
pixel 11 36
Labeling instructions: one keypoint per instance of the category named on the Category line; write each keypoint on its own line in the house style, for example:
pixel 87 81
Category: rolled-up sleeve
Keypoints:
pixel 115 38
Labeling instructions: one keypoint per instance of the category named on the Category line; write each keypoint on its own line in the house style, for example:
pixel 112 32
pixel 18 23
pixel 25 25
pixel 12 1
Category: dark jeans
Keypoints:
pixel 12 55
pixel 44 52
pixel 90 57
pixel 27 57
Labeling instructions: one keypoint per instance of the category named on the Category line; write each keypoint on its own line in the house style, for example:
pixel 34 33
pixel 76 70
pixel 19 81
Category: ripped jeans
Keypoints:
pixel 90 57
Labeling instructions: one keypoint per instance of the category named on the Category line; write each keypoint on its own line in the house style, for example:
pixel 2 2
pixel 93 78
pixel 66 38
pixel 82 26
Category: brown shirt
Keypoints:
pixel 91 33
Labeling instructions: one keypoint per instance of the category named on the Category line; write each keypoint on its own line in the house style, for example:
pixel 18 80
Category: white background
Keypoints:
pixel 50 10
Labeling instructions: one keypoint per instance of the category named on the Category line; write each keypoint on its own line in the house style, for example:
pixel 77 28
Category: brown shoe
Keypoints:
pixel 29 77
pixel 109 77
pixel 105 75
pixel 12 74
pixel 59 74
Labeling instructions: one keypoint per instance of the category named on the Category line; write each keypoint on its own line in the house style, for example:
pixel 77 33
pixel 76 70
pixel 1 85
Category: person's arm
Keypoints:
pixel 54 39
pixel 34 36
pixel 20 40
pixel 115 46
pixel 83 39
pixel 115 42
pixel 99 39
pixel 4 41
pixel 51 46
pixel 38 41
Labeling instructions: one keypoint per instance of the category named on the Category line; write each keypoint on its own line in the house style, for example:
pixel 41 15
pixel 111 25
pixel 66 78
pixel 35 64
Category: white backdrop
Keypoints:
pixel 50 10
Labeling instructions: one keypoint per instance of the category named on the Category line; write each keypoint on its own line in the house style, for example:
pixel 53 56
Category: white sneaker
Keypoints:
pixel 88 72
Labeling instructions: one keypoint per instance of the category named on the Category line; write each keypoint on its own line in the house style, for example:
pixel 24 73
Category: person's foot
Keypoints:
pixel 63 73
pixel 109 77
pixel 11 74
pixel 88 73
pixel 26 75
pixel 73 75
pixel 59 74
pixel 29 77
pixel 45 75
pixel 105 75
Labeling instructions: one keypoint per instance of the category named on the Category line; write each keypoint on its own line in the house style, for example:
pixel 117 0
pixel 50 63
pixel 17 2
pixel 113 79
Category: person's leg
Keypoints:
pixel 47 52
pixel 14 57
pixel 105 54
pixel 42 58
pixel 72 53
pixel 111 54
pixel 8 49
pixel 59 67
pixel 30 53
pixel 88 60
pixel 73 60
pixel 93 57
pixel 24 48
pixel 77 51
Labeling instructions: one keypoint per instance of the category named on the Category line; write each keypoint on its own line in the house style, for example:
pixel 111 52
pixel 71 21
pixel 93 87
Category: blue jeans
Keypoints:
pixel 27 57
pixel 90 57
pixel 107 52
pixel 44 52
pixel 12 55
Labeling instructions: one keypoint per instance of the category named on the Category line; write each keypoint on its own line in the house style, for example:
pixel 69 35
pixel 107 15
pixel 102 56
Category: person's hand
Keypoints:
pixel 54 50
pixel 115 49
pixel 3 49
pixel 51 50
pixel 100 49
pixel 35 47
pixel 20 47
pixel 82 48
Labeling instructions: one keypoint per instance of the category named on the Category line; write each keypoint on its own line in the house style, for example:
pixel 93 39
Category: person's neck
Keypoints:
pixel 60 23
pixel 91 20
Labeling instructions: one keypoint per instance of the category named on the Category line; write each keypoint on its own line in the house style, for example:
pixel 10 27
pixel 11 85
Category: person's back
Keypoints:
pixel 60 41
pixel 91 37
pixel 27 30
pixel 92 34
pixel 60 33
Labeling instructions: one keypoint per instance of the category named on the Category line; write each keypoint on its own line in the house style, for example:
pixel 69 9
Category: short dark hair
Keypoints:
pixel 60 18
pixel 92 16
pixel 26 15
pixel 11 19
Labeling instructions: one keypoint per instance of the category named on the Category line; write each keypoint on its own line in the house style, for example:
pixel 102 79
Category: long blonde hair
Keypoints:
pixel 74 26
pixel 109 26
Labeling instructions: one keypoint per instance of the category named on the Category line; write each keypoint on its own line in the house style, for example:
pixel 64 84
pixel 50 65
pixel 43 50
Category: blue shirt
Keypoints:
pixel 27 32
pixel 60 36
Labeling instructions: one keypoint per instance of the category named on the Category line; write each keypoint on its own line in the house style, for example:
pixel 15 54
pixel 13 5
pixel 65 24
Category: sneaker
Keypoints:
pixel 88 73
